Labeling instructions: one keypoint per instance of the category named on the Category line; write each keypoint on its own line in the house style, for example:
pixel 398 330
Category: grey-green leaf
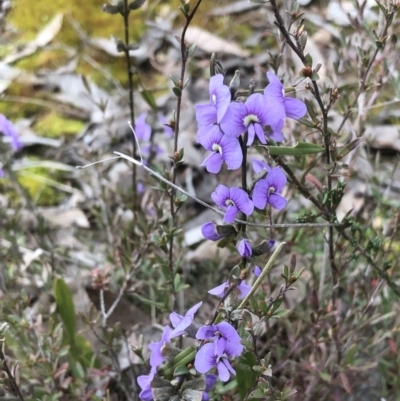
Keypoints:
pixel 302 148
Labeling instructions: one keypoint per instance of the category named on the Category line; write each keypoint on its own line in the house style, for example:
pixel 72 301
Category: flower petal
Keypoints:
pixel 209 135
pixel 175 319
pixel 277 201
pixel 223 372
pixel 244 289
pixel 275 88
pixel 206 332
pixel 228 331
pixel 219 291
pixel 206 114
pixel 232 123
pixel 230 214
pixel 205 358
pixel 242 201
pixel 295 108
pixel 259 166
pixel 209 232
pixel 221 195
pixel 233 348
pixel 256 104
pixel 231 152
pixel 257 271
pixel 260 133
pixel 277 179
pixel 213 163
pixel 260 193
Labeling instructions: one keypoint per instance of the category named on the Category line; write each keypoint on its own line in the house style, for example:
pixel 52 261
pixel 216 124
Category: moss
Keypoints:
pixel 32 180
pixel 53 126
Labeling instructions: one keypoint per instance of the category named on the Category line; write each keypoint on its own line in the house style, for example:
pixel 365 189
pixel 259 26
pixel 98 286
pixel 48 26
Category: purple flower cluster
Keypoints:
pixel 159 349
pixel 225 343
pixel 221 124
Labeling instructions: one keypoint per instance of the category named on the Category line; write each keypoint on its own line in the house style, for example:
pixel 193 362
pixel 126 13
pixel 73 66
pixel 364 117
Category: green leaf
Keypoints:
pixel 65 307
pixel 306 122
pixel 82 352
pixel 308 60
pixel 246 376
pixel 135 4
pixel 302 148
pixel 281 313
pixel 177 91
pixel 149 98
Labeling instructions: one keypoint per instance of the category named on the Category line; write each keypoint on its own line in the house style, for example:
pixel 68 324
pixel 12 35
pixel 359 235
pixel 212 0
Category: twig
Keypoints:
pixel 173 210
pixel 131 95
pixel 364 78
pixel 9 374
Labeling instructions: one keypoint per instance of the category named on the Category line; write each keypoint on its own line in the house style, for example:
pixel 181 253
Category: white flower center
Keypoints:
pixel 214 98
pixel 251 118
pixel 271 190
pixel 217 148
pixel 283 92
pixel 229 202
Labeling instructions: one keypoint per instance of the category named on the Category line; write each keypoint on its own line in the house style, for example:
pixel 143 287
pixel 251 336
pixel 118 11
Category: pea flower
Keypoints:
pixel 184 323
pixel 157 357
pixel 233 200
pixel 211 380
pixel 257 271
pixel 209 232
pixel 268 190
pixel 259 166
pixel 144 382
pixel 8 129
pixel 223 333
pixel 244 248
pixel 220 97
pixel 224 148
pixel 206 359
pixel 219 291
pixel 280 106
pixel 142 129
pixel 250 116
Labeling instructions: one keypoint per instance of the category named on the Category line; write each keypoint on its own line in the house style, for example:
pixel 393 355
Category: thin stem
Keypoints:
pixel 364 77
pixel 184 56
pixel 131 97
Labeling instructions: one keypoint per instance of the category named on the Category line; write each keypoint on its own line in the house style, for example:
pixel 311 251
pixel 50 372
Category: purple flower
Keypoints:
pixel 8 129
pixel 268 190
pixel 144 382
pixel 142 129
pixel 219 291
pixel 244 248
pixel 156 357
pixel 220 97
pixel 259 166
pixel 250 116
pixel 181 323
pixel 257 271
pixel 206 359
pixel 224 148
pixel 211 379
pixel 209 232
pixel 280 106
pixel 233 200
pixel 223 333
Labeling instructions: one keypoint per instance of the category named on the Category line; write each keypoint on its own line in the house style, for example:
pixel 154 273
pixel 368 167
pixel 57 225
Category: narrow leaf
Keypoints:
pixel 65 306
pixel 302 148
